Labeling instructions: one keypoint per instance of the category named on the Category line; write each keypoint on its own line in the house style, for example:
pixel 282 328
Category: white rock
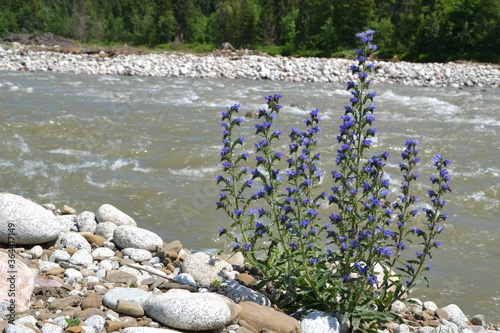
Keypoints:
pixel 398 307
pixel 429 305
pixel 24 320
pixel 205 268
pixel 51 328
pixel 320 322
pixel 81 257
pixel 45 266
pixel 105 229
pixel 73 240
pixel 36 251
pixel 11 328
pixel 73 275
pixel 96 322
pixel 86 222
pixel 185 278
pixel 103 252
pixel 31 223
pixel 138 238
pixel 188 311
pixel 109 213
pixel 135 295
pixel 455 313
pixel 59 255
pixel 138 255
pixel 403 328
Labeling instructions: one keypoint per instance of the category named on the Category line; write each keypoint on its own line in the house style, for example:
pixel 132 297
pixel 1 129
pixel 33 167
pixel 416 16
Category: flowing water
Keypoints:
pixel 150 146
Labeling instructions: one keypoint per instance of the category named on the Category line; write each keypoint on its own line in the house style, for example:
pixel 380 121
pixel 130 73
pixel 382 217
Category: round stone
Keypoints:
pixel 188 311
pixel 31 223
pixel 129 236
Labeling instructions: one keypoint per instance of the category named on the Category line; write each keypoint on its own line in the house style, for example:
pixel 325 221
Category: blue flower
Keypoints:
pixel 372 279
pixel 370 118
pixel 247 247
pixel 221 231
pixel 401 246
pixel 313 261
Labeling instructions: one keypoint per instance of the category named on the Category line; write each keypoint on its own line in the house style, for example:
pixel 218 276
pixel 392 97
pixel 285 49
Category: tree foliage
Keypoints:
pixel 412 29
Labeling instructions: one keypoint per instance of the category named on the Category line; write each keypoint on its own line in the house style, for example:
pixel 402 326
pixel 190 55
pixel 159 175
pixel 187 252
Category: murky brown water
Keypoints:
pixel 150 146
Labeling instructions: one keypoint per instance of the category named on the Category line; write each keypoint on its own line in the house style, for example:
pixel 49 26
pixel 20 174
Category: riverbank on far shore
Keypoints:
pixel 242 65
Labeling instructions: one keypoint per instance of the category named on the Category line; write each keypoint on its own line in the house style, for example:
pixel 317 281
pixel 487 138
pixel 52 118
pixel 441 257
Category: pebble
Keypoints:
pixel 81 257
pixel 138 255
pixel 137 295
pixel 235 65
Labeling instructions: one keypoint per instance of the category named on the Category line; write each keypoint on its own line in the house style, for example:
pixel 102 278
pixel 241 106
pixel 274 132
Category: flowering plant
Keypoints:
pixel 355 264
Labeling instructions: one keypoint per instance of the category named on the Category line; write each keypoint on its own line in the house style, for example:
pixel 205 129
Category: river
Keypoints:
pixel 150 146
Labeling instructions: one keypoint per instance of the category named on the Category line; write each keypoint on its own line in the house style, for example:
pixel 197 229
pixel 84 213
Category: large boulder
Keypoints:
pixel 189 311
pixel 25 222
pixel 17 283
pixel 137 238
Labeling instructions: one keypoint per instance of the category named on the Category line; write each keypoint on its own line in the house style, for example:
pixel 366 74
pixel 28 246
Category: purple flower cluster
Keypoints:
pixel 275 208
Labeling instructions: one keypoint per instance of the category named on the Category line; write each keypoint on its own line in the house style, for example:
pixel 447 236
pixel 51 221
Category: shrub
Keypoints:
pixel 352 266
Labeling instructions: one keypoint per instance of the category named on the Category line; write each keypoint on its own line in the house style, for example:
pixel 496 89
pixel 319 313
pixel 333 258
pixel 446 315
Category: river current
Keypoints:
pixel 150 147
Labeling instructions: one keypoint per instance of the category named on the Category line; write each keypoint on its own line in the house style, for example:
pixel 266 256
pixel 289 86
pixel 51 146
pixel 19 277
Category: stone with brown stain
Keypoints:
pixel 112 325
pixel 245 279
pixel 442 314
pixel 260 317
pixel 173 246
pixel 93 239
pixel 92 301
pixel 63 303
pixel 74 329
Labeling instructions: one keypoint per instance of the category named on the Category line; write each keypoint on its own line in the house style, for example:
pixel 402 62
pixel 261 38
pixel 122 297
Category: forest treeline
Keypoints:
pixel 425 30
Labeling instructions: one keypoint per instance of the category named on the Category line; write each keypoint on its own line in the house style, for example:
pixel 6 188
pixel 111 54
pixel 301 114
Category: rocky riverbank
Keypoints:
pixel 69 271
pixel 240 65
